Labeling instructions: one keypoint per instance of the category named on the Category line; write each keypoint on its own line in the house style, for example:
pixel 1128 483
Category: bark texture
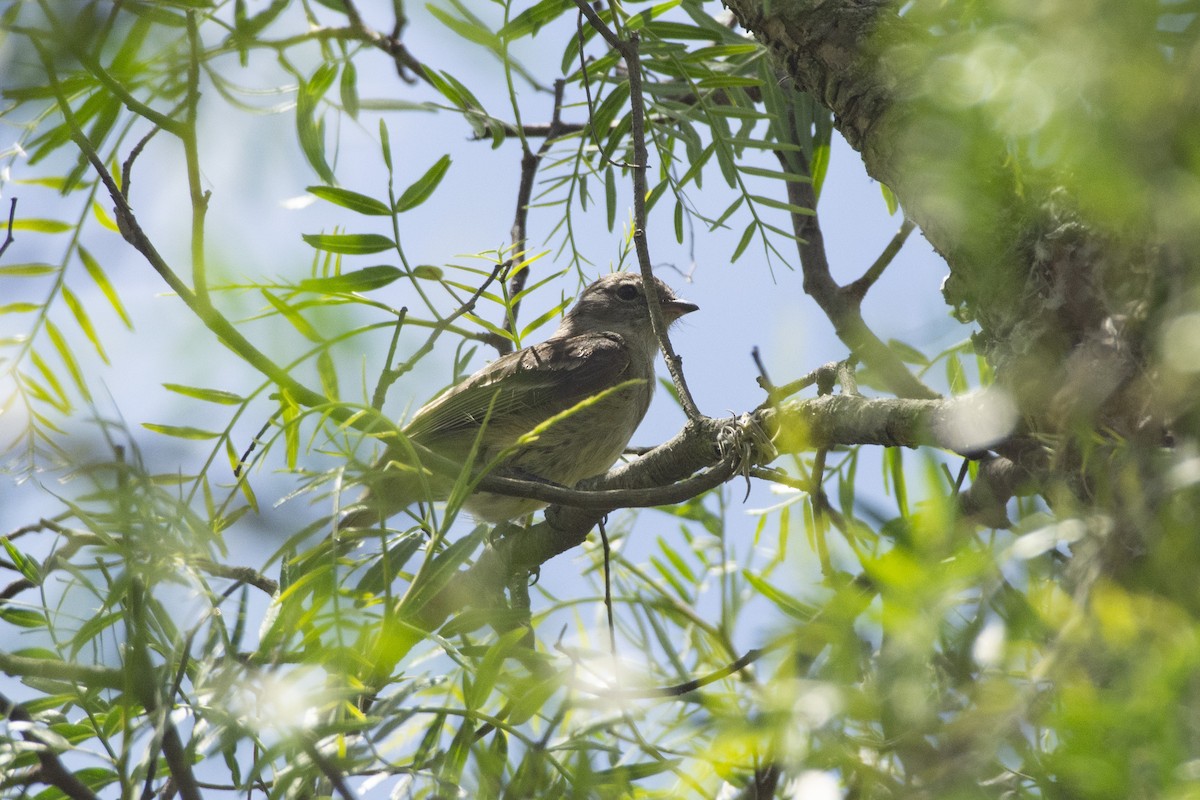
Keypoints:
pixel 1061 303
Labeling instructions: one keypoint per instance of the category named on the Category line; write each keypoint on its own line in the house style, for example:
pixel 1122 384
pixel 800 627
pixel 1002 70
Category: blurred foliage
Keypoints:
pixel 929 657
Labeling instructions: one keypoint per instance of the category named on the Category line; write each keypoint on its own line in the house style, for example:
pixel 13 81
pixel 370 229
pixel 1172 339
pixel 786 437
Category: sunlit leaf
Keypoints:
pixel 423 187
pixel 180 431
pixel 351 200
pixel 207 395
pixel 295 317
pixel 360 280
pixel 101 280
pixel 84 321
pixel 352 244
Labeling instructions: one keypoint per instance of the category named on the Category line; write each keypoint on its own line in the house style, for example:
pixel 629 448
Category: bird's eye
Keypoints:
pixel 627 291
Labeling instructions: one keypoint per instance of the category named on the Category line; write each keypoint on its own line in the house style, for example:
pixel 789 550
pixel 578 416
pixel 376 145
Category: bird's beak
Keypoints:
pixel 674 309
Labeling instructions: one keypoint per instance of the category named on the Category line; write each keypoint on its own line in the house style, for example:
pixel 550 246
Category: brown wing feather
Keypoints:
pixel 532 384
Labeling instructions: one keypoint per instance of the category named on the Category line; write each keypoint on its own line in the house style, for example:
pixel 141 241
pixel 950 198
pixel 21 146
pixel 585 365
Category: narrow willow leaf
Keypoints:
pixel 782 206
pixel 41 225
pixel 610 196
pixel 104 218
pixel 428 272
pixel 348 88
pixel 628 773
pixel 726 81
pixel 19 308
pixel 293 316
pixel 23 618
pixel 727 213
pixel 889 197
pixel 52 381
pixel 68 359
pixel 532 19
pixel 207 395
pixel 328 373
pixel 544 318
pixel 350 244
pixel 26 270
pixel 744 242
pixel 424 186
pixel 354 201
pixel 180 431
pixel 785 601
pixel 84 321
pixel 908 353
pixel 360 280
pixel 793 177
pixel 469 30
pixel 101 280
pixel 609 107
pixel 310 127
pixel 28 567
pixel 385 145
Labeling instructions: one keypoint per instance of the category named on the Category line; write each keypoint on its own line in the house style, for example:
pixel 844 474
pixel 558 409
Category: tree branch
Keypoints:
pixel 629 50
pixel 52 771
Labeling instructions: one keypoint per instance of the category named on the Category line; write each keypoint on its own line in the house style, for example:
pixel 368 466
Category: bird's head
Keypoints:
pixel 617 302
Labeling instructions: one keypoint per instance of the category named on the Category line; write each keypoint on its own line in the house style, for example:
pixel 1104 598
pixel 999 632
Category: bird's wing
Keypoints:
pixel 533 384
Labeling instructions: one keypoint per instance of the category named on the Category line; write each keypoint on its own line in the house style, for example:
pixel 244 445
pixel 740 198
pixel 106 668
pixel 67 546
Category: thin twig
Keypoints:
pixel 859 287
pixel 52 771
pixel 12 213
pixel 391 45
pixel 842 307
pixel 530 161
pixel 608 604
pixel 681 688
pixel 629 50
pixel 191 152
pixel 381 385
pixel 127 165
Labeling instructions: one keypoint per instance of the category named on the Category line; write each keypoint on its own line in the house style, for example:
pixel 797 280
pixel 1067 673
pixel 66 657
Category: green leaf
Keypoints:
pixel 84 321
pixel 22 617
pixel 889 197
pixel 531 20
pixel 26 270
pixel 207 395
pixel 634 772
pixel 180 431
pixel 782 206
pixel 101 280
pixel 41 225
pixel 348 88
pixel 350 244
pixel 354 201
pixel 310 128
pixel 360 280
pixel 785 601
pixel 104 218
pixel 328 373
pixel 908 353
pixel 25 565
pixel 19 308
pixel 744 242
pixel 68 359
pixel 774 174
pixel 420 191
pixel 428 272
pixel 293 316
pixel 610 196
pixel 385 145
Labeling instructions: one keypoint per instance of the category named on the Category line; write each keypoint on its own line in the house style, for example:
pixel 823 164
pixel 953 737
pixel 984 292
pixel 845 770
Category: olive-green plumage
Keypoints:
pixel 605 340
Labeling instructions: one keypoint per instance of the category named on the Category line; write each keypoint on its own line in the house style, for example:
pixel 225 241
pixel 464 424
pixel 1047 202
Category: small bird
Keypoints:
pixel 604 341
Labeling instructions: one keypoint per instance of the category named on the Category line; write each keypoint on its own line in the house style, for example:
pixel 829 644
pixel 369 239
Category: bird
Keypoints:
pixel 605 340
